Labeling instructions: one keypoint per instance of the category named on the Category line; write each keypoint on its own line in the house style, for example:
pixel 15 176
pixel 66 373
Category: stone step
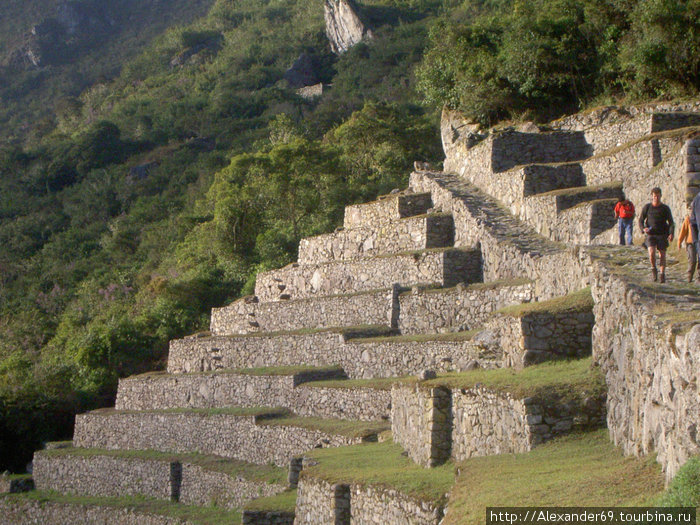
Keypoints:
pixel 384 487
pixel 358 357
pixel 57 509
pixel 510 248
pixel 442 267
pixel 190 479
pixel 457 309
pixel 319 348
pixel 257 436
pixel 541 331
pixel 386 209
pixel 15 483
pixel 590 222
pixel 250 316
pixel 410 234
pixel 570 215
pixel 266 387
pixel 481 413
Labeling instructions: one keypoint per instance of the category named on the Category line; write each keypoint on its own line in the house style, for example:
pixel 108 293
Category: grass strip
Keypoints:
pixel 580 301
pixel 228 466
pixel 228 411
pixel 578 190
pixel 561 380
pixel 385 465
pixel 579 470
pixel 418 338
pixel 491 285
pixel 286 370
pixel 342 427
pixel 380 383
pixel 195 515
pixel 283 502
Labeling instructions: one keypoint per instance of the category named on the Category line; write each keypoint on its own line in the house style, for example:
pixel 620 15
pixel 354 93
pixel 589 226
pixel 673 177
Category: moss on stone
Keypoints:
pixel 580 301
pixel 579 470
pixel 381 383
pixel 382 465
pixel 342 427
pixel 192 514
pixel 552 381
pixel 491 285
pixel 419 338
pixel 282 502
pixel 578 190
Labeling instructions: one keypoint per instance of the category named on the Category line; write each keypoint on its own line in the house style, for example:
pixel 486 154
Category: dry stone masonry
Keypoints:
pixel 466 269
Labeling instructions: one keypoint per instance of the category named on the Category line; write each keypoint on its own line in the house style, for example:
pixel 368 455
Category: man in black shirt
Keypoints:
pixel 656 221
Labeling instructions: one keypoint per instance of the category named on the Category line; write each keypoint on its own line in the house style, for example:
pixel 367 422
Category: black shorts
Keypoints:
pixel 660 242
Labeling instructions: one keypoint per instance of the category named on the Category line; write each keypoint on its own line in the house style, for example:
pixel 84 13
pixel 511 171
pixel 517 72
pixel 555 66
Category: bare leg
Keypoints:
pixel 652 256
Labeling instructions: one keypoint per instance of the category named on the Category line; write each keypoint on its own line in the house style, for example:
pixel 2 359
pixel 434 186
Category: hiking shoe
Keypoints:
pixel 654 275
pixel 662 278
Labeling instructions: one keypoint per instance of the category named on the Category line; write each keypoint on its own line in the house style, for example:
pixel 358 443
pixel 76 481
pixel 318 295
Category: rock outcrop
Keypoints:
pixel 343 25
pixel 302 72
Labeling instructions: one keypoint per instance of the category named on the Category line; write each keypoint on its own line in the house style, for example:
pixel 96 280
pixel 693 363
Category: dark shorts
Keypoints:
pixel 660 242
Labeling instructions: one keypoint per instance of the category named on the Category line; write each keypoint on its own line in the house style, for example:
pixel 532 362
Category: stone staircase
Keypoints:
pixel 473 278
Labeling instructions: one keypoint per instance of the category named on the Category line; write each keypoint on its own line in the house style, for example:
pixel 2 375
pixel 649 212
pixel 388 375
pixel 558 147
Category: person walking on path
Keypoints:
pixel 694 220
pixel 657 222
pixel 686 236
pixel 624 213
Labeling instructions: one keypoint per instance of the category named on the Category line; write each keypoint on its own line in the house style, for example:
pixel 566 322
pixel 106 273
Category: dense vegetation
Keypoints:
pixel 149 198
pixel 147 175
pixel 496 59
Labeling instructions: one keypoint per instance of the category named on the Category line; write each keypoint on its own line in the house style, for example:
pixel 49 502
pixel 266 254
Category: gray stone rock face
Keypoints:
pixel 343 25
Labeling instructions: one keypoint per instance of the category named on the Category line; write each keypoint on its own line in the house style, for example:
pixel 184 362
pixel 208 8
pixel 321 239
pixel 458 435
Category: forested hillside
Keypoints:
pixel 148 174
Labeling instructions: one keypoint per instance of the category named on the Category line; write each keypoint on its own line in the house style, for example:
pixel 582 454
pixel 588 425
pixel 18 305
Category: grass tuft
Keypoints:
pixel 283 502
pixel 577 470
pixel 384 465
pixel 580 301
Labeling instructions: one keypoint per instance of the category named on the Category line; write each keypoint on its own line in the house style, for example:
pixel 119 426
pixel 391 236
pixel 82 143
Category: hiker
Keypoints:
pixel 686 236
pixel 624 213
pixel 695 226
pixel 657 222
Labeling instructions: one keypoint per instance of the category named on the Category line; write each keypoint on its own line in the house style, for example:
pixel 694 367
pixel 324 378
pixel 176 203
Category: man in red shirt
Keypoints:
pixel 624 213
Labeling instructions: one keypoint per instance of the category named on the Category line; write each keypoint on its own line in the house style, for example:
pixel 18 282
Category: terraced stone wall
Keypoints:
pixel 249 315
pixel 359 360
pixel 444 267
pixel 363 404
pixel 506 255
pixel 651 367
pixel 642 166
pixel 367 504
pixel 160 391
pixel 11 486
pixel 421 422
pixel 409 234
pixel 536 337
pixel 29 513
pixel 207 487
pixel 107 476
pixel 424 311
pixel 588 223
pixel 611 127
pixel 223 435
pixel 321 503
pixel 433 424
pixel 385 210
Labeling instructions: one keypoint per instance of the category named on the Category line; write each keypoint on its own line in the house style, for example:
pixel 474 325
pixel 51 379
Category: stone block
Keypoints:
pixel 386 210
pixel 409 234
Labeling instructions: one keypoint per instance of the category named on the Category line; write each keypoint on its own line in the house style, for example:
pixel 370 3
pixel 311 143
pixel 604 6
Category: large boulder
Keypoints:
pixel 343 25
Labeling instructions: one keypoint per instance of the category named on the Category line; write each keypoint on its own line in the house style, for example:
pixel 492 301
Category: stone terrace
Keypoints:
pixel 462 274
